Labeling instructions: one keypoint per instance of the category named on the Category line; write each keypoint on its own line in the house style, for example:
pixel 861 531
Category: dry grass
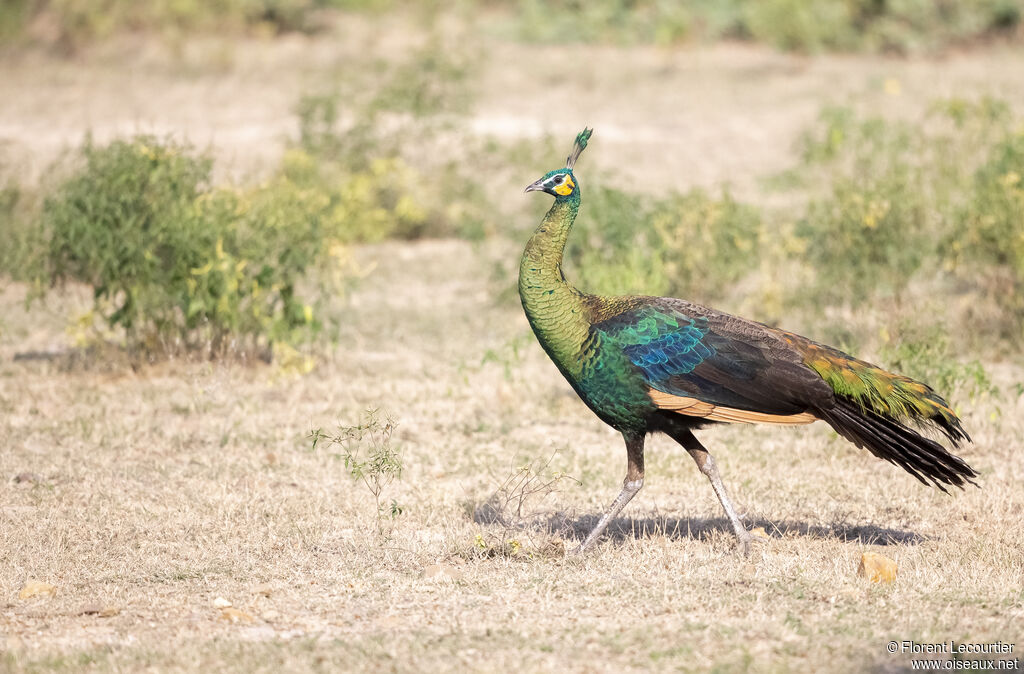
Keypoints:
pixel 155 493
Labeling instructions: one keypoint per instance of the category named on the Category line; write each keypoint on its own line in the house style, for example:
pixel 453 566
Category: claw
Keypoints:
pixel 747 541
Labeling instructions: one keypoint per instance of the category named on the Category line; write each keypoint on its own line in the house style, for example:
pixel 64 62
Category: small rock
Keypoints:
pixel 270 615
pixel 36 588
pixel 233 615
pixel 109 611
pixel 265 589
pixel 221 602
pixel 441 572
pixel 877 568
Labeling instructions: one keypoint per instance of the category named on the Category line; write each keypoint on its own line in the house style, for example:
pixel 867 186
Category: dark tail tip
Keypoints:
pixel 925 459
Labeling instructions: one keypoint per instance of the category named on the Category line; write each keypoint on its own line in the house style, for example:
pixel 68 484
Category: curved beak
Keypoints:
pixel 535 187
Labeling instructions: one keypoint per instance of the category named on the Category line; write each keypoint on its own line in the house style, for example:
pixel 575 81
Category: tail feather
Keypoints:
pixel 891 440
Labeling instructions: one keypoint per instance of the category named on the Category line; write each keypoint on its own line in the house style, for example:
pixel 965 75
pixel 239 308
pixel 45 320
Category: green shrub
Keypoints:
pixel 987 248
pixel 23 244
pixel 373 192
pixel 871 25
pixel 797 25
pixel 377 203
pixel 77 23
pixel 176 263
pixel 926 352
pixel 893 194
pixel 618 21
pixel 690 244
pixel 812 25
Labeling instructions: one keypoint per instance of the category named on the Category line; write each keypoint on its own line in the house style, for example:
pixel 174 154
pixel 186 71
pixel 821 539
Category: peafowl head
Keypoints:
pixel 561 183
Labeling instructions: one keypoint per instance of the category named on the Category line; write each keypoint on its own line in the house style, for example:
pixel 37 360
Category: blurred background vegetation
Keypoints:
pixel 870 25
pixel 898 238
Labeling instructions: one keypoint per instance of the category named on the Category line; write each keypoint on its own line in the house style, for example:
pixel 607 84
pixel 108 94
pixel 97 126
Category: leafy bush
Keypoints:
pixel 892 25
pixel 799 25
pixel 925 351
pixel 813 25
pixel 175 262
pixel 23 242
pixel 620 21
pixel 987 247
pixel 75 23
pixel 894 193
pixel 689 243
pixel 359 166
pixel 377 203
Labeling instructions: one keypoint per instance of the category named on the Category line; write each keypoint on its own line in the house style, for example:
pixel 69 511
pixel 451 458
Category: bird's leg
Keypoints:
pixel 630 486
pixel 706 464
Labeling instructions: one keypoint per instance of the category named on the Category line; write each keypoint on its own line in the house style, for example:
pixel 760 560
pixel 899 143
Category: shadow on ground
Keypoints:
pixel 696 528
pixel 703 528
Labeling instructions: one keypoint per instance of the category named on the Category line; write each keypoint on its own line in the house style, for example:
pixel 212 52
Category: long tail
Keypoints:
pixel 891 440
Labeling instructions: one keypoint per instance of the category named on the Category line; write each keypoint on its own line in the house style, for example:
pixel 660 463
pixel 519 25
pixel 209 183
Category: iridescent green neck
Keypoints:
pixel 553 306
pixel 542 260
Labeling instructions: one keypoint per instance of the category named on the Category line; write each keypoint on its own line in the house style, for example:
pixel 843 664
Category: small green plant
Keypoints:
pixel 370 457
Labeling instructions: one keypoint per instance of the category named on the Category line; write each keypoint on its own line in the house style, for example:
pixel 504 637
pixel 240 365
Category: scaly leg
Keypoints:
pixel 706 464
pixel 630 486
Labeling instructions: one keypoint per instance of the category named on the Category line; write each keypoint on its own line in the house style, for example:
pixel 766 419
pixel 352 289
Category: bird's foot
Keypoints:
pixel 747 542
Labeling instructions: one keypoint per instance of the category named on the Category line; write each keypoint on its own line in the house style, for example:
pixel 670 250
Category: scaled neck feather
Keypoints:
pixel 541 266
pixel 553 306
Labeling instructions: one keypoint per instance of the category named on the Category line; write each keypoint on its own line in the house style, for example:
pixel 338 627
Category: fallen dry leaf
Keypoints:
pixel 877 568
pixel 233 615
pixel 264 589
pixel 36 588
pixel 759 532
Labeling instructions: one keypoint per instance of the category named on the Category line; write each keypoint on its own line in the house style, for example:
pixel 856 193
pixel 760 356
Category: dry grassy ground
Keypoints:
pixel 156 493
pixel 144 497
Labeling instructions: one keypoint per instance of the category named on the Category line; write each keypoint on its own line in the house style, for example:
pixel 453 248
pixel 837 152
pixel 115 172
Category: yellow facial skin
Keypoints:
pixel 566 188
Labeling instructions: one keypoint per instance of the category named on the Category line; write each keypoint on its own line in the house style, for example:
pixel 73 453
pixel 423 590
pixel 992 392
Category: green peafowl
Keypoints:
pixel 658 364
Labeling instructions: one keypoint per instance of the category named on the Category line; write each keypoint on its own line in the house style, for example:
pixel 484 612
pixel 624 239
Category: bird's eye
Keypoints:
pixel 559 179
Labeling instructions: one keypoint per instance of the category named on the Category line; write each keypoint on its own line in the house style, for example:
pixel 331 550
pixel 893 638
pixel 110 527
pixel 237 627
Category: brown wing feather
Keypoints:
pixel 698 408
